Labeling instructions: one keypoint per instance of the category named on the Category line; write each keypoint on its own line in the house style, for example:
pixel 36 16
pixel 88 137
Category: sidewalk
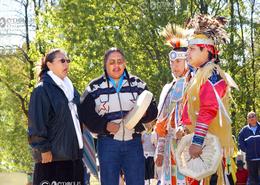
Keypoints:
pixel 13 178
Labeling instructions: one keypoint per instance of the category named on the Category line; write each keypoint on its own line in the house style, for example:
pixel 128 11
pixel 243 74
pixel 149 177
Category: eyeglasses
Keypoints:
pixel 251 116
pixel 63 60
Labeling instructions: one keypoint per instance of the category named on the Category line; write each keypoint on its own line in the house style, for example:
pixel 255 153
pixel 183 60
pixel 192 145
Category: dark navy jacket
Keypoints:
pixel 50 124
pixel 249 142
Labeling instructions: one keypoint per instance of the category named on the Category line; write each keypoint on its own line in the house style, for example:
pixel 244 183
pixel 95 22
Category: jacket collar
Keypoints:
pixel 257 125
pixel 47 79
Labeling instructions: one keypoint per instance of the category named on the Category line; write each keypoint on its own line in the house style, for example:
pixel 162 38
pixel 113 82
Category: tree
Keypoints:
pixel 17 78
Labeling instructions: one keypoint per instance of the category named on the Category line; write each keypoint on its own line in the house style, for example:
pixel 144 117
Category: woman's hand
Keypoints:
pixel 112 127
pixel 46 157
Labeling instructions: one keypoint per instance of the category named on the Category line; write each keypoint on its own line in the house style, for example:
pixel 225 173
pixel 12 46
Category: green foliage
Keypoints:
pixel 14 155
pixel 15 87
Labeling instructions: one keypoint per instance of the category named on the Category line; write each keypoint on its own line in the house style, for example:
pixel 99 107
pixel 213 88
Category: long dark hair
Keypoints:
pixel 212 56
pixel 49 57
pixel 107 53
pixel 110 51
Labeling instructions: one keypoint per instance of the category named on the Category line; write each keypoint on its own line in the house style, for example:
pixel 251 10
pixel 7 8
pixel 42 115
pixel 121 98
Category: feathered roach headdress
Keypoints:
pixel 176 37
pixel 208 31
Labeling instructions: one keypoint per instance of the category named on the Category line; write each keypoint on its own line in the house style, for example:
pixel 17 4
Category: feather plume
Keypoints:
pixel 175 35
pixel 212 27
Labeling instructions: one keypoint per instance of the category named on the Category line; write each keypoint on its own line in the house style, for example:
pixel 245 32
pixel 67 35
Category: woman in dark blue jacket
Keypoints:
pixel 54 129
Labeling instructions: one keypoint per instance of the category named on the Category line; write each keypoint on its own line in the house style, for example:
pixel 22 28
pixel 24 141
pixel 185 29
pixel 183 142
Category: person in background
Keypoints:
pixel 53 126
pixel 104 104
pixel 148 140
pixel 249 142
pixel 241 174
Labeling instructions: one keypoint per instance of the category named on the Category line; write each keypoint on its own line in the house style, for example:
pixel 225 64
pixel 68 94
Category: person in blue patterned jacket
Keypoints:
pixel 104 103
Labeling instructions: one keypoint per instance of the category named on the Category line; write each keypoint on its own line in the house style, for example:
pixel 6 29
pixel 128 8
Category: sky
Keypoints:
pixel 12 29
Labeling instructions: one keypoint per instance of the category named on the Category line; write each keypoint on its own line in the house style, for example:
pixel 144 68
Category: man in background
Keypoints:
pixel 249 142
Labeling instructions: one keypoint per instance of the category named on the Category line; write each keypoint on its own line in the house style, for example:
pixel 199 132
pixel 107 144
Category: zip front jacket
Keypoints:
pixel 50 124
pixel 101 103
pixel 248 142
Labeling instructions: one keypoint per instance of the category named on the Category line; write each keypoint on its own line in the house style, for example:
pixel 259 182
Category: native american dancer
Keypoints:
pixel 206 97
pixel 170 106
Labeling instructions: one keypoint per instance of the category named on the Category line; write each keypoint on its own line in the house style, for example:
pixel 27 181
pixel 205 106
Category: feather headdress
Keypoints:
pixel 175 36
pixel 207 28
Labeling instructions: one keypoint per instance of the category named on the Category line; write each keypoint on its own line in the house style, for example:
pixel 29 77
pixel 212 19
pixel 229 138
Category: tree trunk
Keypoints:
pixel 231 56
pixel 203 7
pixel 247 95
pixel 26 25
pixel 253 54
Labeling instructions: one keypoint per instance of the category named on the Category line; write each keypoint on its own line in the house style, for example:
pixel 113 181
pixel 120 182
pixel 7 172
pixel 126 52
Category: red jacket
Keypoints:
pixel 208 106
pixel 208 102
pixel 241 175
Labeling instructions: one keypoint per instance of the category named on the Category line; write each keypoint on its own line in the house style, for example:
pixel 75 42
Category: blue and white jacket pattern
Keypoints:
pixel 101 103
